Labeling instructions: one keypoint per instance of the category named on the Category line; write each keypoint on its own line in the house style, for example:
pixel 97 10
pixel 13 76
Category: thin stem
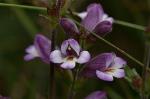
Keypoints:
pixel 77 70
pixel 130 25
pixel 82 43
pixel 52 82
pixel 72 93
pixel 123 23
pixel 23 6
pixel 24 19
pixel 119 22
pixel 144 75
pixel 113 46
pixel 107 42
pixel 52 68
pixel 118 49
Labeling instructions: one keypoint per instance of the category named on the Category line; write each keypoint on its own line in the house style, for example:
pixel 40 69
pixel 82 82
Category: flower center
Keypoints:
pixel 70 58
pixel 110 70
pixel 69 48
pixel 71 51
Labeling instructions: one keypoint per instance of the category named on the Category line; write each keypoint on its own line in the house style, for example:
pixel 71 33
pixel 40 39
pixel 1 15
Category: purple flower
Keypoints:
pixel 41 48
pixel 69 54
pixel 97 95
pixel 1 97
pixel 95 20
pixel 105 66
pixel 69 26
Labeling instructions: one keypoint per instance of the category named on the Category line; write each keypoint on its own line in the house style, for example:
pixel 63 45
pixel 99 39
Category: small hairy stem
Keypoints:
pixel 52 68
pixel 144 75
pixel 71 92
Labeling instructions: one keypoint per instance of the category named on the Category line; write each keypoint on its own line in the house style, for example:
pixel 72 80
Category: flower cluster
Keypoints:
pixel 93 20
pixel 104 66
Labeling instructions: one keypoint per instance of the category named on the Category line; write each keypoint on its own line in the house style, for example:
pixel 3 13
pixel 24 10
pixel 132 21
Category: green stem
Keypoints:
pixel 72 93
pixel 131 25
pixel 119 22
pixel 144 75
pixel 123 23
pixel 23 6
pixel 52 68
pixel 77 70
pixel 118 49
pixel 24 19
pixel 115 47
pixel 102 39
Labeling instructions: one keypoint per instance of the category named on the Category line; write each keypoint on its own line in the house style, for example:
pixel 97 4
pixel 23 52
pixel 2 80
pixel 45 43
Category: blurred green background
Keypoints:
pixel 30 80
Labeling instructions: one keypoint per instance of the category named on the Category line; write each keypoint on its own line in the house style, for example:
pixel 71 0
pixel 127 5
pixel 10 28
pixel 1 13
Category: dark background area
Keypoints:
pixel 30 80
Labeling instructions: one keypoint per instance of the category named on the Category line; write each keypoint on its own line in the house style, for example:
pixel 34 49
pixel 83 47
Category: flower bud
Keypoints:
pixel 97 95
pixel 69 26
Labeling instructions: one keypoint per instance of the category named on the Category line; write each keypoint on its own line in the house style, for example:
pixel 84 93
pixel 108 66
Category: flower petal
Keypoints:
pixel 68 65
pixel 103 28
pixel 88 73
pixel 82 15
pixel 84 57
pixel 118 63
pixel 64 47
pixel 69 26
pixel 95 12
pixel 100 62
pixel 31 53
pixel 28 57
pixel 74 45
pixel 106 18
pixel 97 95
pixel 104 76
pixel 43 46
pixel 56 56
pixel 119 73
